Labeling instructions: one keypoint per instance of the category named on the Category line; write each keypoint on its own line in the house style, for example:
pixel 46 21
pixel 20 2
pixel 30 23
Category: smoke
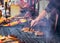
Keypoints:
pixel 45 26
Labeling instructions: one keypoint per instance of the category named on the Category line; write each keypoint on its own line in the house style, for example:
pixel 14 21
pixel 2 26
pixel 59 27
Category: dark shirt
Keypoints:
pixel 54 4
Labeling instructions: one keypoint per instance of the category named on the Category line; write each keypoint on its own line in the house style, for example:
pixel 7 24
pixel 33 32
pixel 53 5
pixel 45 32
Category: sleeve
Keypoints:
pixel 50 6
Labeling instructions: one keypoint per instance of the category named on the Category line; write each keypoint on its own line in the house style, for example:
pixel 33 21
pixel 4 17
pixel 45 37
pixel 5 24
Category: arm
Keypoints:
pixel 41 15
pixel 48 9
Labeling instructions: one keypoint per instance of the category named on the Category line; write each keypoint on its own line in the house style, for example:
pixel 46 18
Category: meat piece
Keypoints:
pixel 25 29
pixel 38 33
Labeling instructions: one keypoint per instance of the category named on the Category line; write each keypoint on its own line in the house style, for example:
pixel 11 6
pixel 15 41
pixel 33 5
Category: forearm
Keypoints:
pixel 41 15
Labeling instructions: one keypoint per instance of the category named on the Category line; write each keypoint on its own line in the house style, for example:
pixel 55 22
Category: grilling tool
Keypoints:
pixel 30 27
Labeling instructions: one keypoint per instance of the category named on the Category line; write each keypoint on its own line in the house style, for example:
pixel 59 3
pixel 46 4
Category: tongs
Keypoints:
pixel 30 27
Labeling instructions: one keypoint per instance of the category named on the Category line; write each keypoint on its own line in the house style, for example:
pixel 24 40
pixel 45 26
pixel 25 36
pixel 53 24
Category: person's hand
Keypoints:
pixel 34 22
pixel 41 15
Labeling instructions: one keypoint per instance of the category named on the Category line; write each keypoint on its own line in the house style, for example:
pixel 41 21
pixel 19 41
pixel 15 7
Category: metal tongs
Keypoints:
pixel 30 27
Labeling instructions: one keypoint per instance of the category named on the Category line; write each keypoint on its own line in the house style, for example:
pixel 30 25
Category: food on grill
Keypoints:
pixel 23 20
pixel 38 33
pixel 10 39
pixel 11 24
pixel 30 30
pixel 1 41
pixel 2 19
pixel 15 22
pixel 27 29
pixel 2 37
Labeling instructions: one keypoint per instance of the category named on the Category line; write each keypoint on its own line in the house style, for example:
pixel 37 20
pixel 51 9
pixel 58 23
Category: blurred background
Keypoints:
pixel 17 14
